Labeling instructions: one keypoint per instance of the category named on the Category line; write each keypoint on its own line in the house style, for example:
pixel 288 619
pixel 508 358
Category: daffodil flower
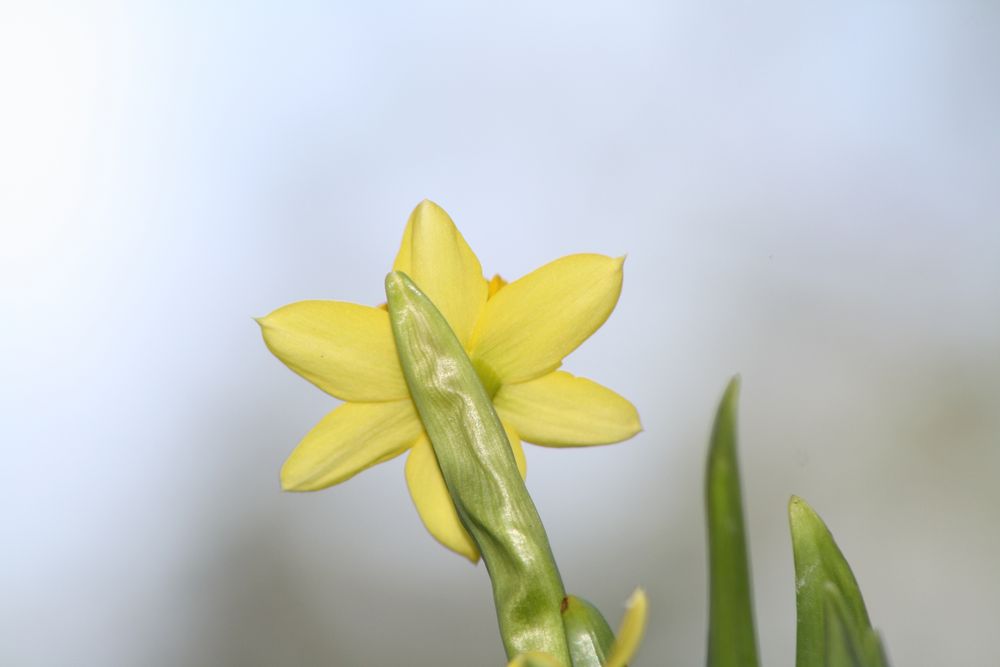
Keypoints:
pixel 516 335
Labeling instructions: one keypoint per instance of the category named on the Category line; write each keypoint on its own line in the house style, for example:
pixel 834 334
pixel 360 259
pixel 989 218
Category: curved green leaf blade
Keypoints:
pixel 732 640
pixel 833 628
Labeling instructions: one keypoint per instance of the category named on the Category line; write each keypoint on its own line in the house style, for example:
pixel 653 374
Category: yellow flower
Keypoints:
pixel 516 335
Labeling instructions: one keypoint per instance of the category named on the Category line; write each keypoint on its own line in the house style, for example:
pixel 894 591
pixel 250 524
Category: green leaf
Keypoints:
pixel 732 641
pixel 833 628
pixel 589 635
pixel 480 472
pixel 842 649
pixel 848 645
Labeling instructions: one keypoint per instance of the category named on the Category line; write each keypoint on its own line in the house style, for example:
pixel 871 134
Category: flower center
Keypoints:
pixel 487 376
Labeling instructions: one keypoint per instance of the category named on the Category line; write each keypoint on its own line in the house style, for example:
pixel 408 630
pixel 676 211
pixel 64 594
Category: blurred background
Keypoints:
pixel 807 195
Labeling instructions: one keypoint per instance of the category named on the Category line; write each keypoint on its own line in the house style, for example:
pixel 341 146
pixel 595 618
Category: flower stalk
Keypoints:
pixel 481 473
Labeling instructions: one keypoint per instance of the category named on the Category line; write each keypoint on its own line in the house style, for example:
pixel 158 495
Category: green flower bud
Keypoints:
pixel 480 472
pixel 589 635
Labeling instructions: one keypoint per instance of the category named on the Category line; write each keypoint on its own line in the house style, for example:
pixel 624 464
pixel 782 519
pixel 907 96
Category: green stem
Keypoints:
pixel 481 474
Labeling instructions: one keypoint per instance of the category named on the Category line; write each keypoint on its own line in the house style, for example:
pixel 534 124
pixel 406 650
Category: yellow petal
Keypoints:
pixel 534 659
pixel 345 349
pixel 514 438
pixel 561 410
pixel 630 632
pixel 353 437
pixel 440 262
pixel 531 324
pixel 433 502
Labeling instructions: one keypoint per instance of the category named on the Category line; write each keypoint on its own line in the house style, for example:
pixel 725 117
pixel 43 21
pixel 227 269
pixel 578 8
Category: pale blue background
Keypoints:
pixel 807 193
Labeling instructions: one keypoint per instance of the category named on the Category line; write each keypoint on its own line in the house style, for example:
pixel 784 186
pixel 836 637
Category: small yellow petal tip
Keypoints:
pixel 633 426
pixel 272 320
pixel 638 598
pixel 427 209
pixel 631 630
pixel 428 218
pixel 294 479
pixel 464 548
pixel 298 486
pixel 636 424
pixel 495 285
pixel 288 481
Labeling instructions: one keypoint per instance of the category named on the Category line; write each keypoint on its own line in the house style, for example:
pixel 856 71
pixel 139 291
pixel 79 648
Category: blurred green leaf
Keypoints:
pixel 833 629
pixel 732 641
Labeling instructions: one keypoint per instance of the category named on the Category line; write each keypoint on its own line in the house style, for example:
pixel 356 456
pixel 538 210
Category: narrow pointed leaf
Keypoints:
pixel 833 627
pixel 481 473
pixel 732 641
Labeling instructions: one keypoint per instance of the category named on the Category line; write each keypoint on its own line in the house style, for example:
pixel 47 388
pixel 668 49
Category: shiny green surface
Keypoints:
pixel 589 635
pixel 732 641
pixel 480 472
pixel 833 629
